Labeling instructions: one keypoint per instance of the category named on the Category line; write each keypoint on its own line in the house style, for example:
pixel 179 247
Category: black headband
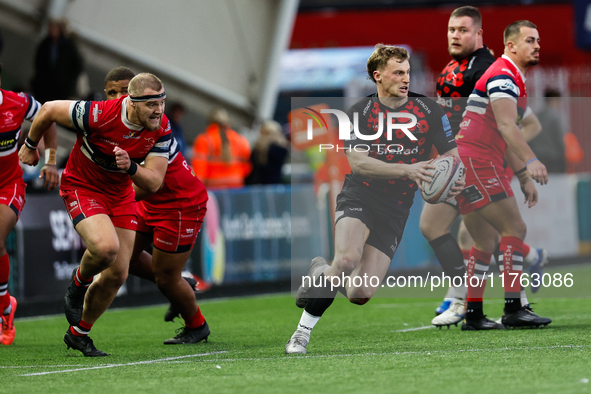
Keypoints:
pixel 148 97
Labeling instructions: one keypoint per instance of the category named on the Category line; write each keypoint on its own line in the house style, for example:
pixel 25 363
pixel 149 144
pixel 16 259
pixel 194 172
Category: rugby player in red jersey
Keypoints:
pixel 14 109
pixel 375 201
pixel 471 58
pixel 490 126
pixel 171 218
pixel 97 189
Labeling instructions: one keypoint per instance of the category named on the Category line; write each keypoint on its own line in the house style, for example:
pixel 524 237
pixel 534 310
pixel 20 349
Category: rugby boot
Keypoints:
pixel 7 332
pixel 317 267
pixel 172 313
pixel 74 301
pixel 524 317
pixel 297 343
pixel 190 335
pixel 538 268
pixel 453 315
pixel 481 324
pixel 445 304
pixel 83 344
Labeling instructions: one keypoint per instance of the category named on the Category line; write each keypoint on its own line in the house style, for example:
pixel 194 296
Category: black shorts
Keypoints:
pixel 385 229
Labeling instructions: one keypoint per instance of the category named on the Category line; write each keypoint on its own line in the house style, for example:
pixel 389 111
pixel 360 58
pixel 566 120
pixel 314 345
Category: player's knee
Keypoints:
pixel 104 252
pixel 518 229
pixel 114 278
pixel 359 301
pixel 359 295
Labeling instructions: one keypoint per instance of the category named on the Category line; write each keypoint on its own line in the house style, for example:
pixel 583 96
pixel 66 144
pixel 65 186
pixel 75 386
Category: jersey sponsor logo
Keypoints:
pixel 190 230
pixel 132 135
pixel 508 85
pixel 8 142
pixel 80 111
pixel 95 113
pixel 423 105
pixel 356 209
pixel 8 116
pixel 163 144
pixel 446 103
pixel 163 241
pixel 446 126
pixel 367 107
pixel 465 124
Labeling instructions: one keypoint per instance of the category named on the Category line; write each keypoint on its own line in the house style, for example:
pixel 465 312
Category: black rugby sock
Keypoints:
pixel 449 254
pixel 320 298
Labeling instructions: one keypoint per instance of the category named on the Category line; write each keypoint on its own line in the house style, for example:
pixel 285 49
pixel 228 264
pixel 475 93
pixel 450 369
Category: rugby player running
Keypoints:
pixel 171 218
pixel 113 137
pixel 375 200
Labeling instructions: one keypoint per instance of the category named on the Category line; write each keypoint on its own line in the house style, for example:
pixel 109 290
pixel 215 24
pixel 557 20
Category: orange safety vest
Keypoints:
pixel 207 158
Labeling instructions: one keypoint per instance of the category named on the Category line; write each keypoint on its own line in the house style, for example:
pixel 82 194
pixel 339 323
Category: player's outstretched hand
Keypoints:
pixel 28 156
pixel 419 172
pixel 52 177
pixel 122 158
pixel 530 192
pixel 537 170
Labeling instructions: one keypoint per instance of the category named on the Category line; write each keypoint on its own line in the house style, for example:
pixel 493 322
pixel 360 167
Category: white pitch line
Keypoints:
pixel 414 329
pixel 124 365
pixel 425 352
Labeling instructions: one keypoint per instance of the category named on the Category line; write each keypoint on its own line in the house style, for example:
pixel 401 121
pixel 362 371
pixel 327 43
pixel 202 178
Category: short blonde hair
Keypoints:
pixel 143 81
pixel 380 56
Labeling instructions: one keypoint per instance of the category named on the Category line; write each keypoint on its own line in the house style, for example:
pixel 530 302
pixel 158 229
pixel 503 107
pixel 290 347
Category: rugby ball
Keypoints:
pixel 448 170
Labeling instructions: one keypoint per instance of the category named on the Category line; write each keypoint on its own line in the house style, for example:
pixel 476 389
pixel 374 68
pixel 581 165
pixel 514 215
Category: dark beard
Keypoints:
pixel 459 56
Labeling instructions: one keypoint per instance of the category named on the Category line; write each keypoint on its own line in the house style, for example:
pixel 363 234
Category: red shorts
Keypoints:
pixel 174 231
pixel 82 204
pixel 485 183
pixel 13 195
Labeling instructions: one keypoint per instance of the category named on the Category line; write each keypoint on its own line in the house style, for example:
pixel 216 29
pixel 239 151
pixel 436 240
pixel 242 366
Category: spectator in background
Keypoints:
pixel 57 65
pixel 268 155
pixel 177 111
pixel 221 156
pixel 549 144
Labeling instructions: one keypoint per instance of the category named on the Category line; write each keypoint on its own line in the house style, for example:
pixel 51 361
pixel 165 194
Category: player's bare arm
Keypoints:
pixel 505 112
pixel 530 127
pixel 148 176
pixel 525 181
pixel 362 164
pixel 50 113
pixel 49 170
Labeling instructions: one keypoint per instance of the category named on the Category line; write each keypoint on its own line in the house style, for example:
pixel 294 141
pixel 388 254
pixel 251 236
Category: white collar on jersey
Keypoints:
pixel 126 122
pixel 513 63
pixel 1 97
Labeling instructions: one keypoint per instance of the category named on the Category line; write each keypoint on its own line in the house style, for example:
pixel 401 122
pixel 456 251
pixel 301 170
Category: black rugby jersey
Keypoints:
pixel 432 128
pixel 456 82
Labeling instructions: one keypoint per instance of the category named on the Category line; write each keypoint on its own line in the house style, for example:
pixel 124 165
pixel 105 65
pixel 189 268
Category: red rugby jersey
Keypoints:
pixel 103 125
pixel 14 109
pixel 182 190
pixel 479 135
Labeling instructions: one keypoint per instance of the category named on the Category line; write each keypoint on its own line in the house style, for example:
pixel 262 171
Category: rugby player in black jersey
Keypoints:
pixel 470 59
pixel 375 201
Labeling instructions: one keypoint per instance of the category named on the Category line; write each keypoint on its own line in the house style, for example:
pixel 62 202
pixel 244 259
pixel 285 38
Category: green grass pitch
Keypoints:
pixel 374 348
